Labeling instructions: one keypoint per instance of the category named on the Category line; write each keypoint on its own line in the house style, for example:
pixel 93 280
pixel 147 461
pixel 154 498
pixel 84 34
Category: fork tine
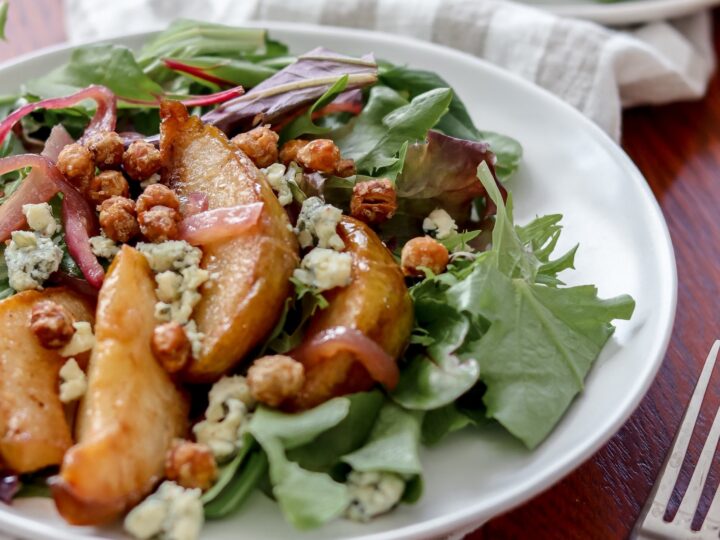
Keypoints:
pixel 712 519
pixel 671 469
pixel 690 500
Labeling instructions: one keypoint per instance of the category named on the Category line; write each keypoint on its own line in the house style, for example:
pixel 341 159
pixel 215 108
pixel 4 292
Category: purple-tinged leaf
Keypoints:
pixel 9 486
pixel 297 85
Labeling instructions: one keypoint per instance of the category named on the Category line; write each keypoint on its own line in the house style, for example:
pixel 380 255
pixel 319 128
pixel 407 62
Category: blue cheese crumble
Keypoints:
pixel 229 410
pixel 171 513
pixel 318 220
pixel 325 269
pixel 73 381
pixel 277 176
pixel 104 247
pixel 40 218
pixel 440 223
pixel 372 494
pixel 31 258
pixel 178 280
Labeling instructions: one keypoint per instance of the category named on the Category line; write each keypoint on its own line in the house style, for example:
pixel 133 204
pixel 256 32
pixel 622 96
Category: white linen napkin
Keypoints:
pixel 595 69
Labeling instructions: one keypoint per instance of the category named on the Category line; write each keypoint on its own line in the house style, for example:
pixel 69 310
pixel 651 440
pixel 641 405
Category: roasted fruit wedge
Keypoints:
pixel 33 430
pixel 131 411
pixel 376 303
pixel 242 302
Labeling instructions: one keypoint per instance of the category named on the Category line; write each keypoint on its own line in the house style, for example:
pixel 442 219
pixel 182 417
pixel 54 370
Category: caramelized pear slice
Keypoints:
pixel 131 411
pixel 244 299
pixel 376 303
pixel 33 430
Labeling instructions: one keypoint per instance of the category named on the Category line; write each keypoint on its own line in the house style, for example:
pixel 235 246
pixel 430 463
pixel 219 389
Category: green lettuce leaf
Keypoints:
pixel 3 18
pixel 307 498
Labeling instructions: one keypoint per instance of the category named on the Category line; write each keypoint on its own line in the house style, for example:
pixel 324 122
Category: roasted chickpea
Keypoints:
pixel 321 155
pixel 374 201
pixel 159 224
pixel 426 252
pixel 107 184
pixel 290 149
pixel 52 324
pixel 157 195
pixel 141 160
pixel 191 465
pixel 117 219
pixel 77 165
pixel 345 168
pixel 107 149
pixel 259 144
pixel 273 379
pixel 171 346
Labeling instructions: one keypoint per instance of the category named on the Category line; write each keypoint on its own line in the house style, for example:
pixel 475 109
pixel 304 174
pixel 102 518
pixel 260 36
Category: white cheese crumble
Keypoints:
pixel 73 381
pixel 226 417
pixel 319 220
pixel 278 180
pixel 82 340
pixel 440 222
pixel 40 218
pixel 372 494
pixel 154 179
pixel 178 279
pixel 325 269
pixel 30 259
pixel 104 247
pixel 171 513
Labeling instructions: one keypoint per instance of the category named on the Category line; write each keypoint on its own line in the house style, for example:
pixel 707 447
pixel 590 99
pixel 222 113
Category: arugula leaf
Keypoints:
pixel 304 124
pixel 307 499
pixel 3 18
pixel 381 130
pixel 110 65
pixel 393 445
pixel 288 333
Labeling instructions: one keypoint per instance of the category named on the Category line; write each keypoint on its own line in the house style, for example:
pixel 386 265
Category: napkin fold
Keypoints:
pixel 595 69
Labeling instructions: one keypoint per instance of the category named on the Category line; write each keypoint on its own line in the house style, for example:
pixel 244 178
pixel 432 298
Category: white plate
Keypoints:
pixel 623 12
pixel 570 166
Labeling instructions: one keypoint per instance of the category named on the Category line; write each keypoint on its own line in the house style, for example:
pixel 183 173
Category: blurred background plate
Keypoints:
pixel 623 12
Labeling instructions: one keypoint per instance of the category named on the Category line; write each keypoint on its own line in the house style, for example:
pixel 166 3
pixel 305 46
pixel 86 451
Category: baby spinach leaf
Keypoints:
pixel 110 65
pixel 393 445
pixel 507 150
pixel 381 130
pixel 325 451
pixel 304 124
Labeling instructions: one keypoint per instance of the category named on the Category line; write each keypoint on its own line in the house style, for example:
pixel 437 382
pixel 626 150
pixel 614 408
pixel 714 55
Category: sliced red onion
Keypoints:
pixel 103 120
pixel 195 203
pixel 9 487
pixel 78 217
pixel 59 138
pixel 326 344
pixel 219 224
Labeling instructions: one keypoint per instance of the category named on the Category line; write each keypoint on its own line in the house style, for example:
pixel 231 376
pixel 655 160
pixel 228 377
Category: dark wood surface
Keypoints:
pixel 677 147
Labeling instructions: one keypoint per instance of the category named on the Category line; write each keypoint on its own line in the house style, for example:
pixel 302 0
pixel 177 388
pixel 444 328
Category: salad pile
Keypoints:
pixel 232 269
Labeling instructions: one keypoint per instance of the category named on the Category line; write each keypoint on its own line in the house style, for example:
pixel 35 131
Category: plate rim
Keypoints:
pixel 474 515
pixel 629 13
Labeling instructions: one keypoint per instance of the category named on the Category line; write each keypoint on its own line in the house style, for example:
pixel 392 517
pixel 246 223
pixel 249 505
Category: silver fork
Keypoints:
pixel 651 524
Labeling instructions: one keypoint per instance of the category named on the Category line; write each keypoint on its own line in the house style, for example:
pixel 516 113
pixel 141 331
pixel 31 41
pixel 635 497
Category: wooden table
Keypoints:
pixel 677 148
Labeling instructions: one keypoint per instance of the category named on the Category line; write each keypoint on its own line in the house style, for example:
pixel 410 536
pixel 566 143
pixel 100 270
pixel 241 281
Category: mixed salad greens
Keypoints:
pixel 497 336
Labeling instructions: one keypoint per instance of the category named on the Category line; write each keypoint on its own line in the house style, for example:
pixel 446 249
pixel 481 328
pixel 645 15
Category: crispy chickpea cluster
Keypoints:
pixel 273 379
pixel 52 324
pixel 290 149
pixel 107 149
pixel 158 210
pixel 259 144
pixel 423 252
pixel 107 184
pixel 171 346
pixel 141 160
pixel 77 165
pixel 373 202
pixel 321 155
pixel 191 465
pixel 118 219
